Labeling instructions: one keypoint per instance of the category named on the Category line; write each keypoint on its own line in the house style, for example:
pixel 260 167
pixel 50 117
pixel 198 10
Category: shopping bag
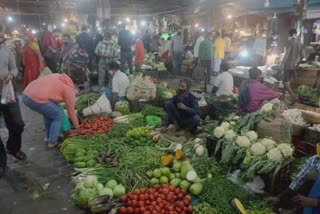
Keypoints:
pixel 101 106
pixel 8 95
pixel 46 71
pixel 66 125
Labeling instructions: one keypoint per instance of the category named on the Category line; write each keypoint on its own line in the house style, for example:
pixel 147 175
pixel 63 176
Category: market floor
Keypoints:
pixel 41 184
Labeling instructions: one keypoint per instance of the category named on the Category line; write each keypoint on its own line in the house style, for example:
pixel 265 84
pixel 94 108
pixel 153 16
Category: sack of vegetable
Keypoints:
pixel 101 106
pixel 142 88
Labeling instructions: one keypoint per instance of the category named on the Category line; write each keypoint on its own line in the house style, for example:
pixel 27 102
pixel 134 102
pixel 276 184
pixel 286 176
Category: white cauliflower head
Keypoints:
pixel 243 141
pixel 199 150
pixel 230 135
pixel 252 135
pixel 269 144
pixel 267 107
pixel 225 125
pixel 219 132
pixel 258 149
pixel 286 150
pixel 274 155
pixel 236 118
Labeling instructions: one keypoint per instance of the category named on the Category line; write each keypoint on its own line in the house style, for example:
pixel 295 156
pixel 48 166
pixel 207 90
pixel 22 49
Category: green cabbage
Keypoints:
pixel 111 184
pixel 82 197
pixel 119 190
pixel 90 181
pixel 106 191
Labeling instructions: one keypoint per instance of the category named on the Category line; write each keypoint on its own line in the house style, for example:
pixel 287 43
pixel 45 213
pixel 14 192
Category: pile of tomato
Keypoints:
pixel 159 199
pixel 99 125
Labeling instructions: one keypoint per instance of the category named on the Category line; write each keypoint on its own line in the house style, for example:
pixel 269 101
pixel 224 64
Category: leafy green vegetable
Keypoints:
pixel 152 110
pixel 85 101
pixel 122 107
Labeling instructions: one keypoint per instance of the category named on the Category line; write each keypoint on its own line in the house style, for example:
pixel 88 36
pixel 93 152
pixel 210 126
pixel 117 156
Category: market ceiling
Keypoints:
pixel 145 7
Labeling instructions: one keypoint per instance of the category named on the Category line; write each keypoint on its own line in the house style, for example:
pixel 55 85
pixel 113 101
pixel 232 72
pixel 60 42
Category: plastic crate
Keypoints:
pixel 220 110
pixel 312 136
pixel 163 74
pixel 152 73
pixel 280 178
pixel 136 106
pixel 204 111
pixel 162 101
pixel 211 143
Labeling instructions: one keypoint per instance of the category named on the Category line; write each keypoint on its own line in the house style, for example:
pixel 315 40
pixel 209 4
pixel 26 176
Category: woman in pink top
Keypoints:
pixel 44 94
pixel 256 92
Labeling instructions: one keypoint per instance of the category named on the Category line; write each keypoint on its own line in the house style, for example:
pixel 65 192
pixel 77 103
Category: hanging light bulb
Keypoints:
pixel 267 3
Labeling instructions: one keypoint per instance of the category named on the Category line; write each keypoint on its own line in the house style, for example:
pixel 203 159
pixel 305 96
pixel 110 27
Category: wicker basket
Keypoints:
pixel 312 136
pixel 311 117
pixel 279 179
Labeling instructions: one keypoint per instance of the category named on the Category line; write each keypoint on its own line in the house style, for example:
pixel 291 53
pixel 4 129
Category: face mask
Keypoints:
pixel 264 35
pixel 111 73
pixel 275 37
pixel 181 91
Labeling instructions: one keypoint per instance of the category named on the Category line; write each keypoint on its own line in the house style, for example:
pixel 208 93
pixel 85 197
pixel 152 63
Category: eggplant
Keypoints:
pixel 102 208
pixel 99 200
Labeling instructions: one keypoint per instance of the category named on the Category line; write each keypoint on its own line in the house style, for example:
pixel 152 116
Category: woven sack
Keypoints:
pixel 279 129
pixel 142 88
pixel 101 106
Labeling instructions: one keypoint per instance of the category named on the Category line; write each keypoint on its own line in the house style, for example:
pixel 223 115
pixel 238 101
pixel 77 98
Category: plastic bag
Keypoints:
pixel 8 95
pixel 66 125
pixel 46 71
pixel 101 106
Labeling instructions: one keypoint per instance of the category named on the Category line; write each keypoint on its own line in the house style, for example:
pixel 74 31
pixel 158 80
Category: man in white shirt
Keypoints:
pixel 197 46
pixel 120 83
pixel 223 84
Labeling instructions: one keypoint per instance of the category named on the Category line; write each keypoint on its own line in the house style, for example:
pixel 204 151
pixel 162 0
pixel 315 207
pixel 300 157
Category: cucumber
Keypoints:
pixel 80 164
pixel 91 163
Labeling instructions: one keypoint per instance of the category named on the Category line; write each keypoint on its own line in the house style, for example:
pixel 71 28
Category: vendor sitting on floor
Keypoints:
pixel 183 109
pixel 253 94
pixel 303 192
pixel 223 85
pixel 120 83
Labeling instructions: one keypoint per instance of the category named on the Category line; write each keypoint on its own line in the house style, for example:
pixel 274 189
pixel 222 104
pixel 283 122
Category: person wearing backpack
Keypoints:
pixel 253 93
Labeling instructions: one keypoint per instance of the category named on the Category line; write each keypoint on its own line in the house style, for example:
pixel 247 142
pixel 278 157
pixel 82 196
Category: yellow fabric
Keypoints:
pixel 219 48
pixel 34 46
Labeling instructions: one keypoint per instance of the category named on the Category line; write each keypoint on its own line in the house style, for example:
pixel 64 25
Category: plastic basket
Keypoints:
pixel 163 74
pixel 312 136
pixel 204 111
pixel 211 143
pixel 153 120
pixel 280 178
pixel 219 110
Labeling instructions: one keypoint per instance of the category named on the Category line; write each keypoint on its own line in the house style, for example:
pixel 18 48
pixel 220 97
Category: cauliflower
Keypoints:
pixel 269 144
pixel 274 155
pixel 236 118
pixel 230 135
pixel 295 117
pixel 286 150
pixel 199 150
pixel 225 125
pixel 252 135
pixel 219 132
pixel 243 141
pixel 258 149
pixel 232 123
pixel 267 107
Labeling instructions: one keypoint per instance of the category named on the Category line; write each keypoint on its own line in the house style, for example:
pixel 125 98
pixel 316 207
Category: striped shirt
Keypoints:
pixel 77 60
pixel 106 50
pixel 313 164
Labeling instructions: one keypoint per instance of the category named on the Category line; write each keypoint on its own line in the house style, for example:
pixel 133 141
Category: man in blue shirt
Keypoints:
pixel 304 190
pixel 183 109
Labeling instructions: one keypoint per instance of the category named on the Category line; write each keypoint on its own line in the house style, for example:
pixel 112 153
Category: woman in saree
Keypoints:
pixel 32 59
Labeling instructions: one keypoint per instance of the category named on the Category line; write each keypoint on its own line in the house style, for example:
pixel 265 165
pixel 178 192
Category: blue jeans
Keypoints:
pixel 176 61
pixel 52 116
pixel 189 123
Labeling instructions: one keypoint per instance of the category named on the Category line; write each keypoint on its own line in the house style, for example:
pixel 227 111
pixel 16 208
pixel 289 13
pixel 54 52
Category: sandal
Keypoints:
pixel 52 146
pixel 18 155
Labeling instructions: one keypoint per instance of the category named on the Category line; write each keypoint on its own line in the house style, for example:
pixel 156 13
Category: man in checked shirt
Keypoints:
pixel 303 193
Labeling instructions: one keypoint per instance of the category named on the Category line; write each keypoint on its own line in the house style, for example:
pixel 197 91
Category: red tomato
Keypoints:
pixel 172 188
pixel 152 191
pixel 186 202
pixel 137 192
pixel 177 191
pixel 180 195
pixel 124 199
pixel 188 197
pixel 143 190
pixel 142 209
pixel 180 204
pixel 122 210
pixel 190 209
pixel 165 191
pixel 141 197
pixel 135 197
pixel 130 210
pixel 134 203
pixel 141 203
pixel 183 191
pixel 151 197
